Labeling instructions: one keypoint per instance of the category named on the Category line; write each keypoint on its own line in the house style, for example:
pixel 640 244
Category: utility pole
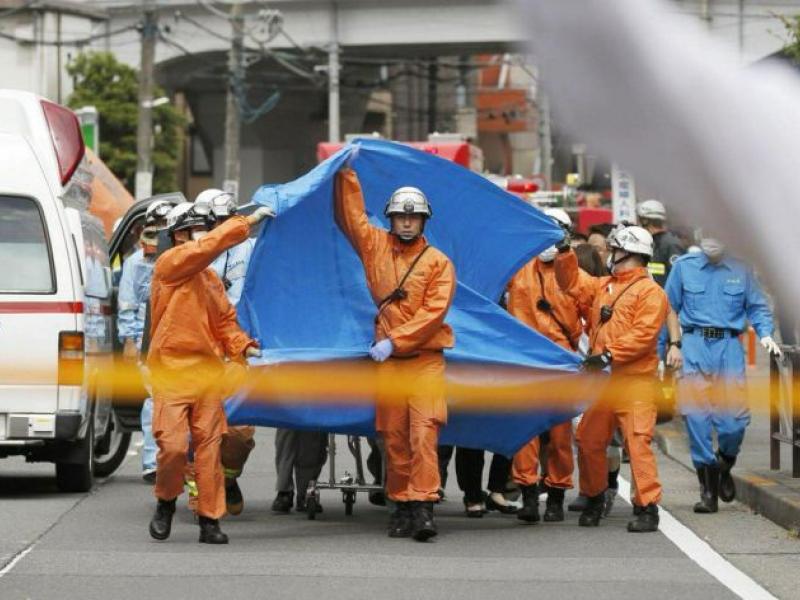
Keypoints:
pixel 334 108
pixel 433 80
pixel 233 124
pixel 144 128
pixel 545 137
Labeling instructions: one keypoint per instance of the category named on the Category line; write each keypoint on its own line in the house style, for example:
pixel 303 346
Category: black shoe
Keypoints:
pixel 727 488
pixel 554 509
pixel 283 502
pixel 530 504
pixel 578 505
pixel 400 521
pixel 423 526
pixel 501 508
pixel 149 476
pixel 210 532
pixel 475 510
pixel 161 523
pixel 709 478
pixel 645 519
pixel 378 498
pixel 590 517
pixel 234 501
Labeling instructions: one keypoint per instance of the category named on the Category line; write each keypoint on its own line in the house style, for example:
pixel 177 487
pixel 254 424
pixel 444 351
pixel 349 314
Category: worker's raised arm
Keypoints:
pixel 192 257
pixel 576 282
pixel 351 214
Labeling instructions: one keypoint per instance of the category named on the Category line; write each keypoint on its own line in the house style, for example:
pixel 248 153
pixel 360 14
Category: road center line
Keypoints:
pixel 703 554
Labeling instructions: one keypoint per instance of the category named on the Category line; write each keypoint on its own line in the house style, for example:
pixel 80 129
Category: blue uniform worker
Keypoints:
pixel 132 300
pixel 231 266
pixel 713 300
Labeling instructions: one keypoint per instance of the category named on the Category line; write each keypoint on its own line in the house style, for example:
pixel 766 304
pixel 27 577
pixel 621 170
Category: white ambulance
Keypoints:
pixel 57 307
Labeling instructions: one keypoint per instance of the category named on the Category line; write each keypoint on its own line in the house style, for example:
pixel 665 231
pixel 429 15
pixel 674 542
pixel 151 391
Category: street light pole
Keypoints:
pixel 144 127
pixel 334 114
pixel 232 115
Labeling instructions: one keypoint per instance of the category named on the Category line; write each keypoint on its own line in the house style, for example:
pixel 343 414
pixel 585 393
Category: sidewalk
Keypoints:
pixel 773 494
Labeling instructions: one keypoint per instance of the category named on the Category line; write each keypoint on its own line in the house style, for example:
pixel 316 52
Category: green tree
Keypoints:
pixel 792 47
pixel 100 80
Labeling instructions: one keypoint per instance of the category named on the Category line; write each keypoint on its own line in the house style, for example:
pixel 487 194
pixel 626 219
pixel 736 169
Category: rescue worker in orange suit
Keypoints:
pixel 535 299
pixel 412 285
pixel 626 313
pixel 193 329
pixel 231 266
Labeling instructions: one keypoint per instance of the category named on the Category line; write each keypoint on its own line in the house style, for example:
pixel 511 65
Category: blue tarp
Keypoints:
pixel 305 297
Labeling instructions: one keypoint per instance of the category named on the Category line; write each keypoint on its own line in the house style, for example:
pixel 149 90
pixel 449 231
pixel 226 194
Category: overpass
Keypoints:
pixel 380 43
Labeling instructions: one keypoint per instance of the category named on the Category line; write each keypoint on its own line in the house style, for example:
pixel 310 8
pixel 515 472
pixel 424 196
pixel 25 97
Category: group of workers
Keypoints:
pixel 627 306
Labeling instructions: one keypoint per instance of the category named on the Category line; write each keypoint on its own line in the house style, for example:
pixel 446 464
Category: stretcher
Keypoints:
pixel 348 484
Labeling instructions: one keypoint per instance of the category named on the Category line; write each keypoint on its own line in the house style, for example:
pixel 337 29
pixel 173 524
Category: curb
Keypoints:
pixel 761 491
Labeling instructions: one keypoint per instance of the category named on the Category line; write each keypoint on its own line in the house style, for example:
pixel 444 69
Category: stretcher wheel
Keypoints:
pixel 349 499
pixel 311 508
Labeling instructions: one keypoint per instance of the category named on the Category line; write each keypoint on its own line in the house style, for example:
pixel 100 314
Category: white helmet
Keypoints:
pixel 158 211
pixel 214 201
pixel 560 216
pixel 408 201
pixel 632 239
pixel 184 216
pixel 651 209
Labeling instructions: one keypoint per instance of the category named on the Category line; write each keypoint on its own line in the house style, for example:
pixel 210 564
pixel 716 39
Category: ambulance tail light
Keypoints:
pixel 65 132
pixel 522 186
pixel 70 358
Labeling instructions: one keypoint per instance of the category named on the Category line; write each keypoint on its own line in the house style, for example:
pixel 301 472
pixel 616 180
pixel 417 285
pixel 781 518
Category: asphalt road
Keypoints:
pixel 96 545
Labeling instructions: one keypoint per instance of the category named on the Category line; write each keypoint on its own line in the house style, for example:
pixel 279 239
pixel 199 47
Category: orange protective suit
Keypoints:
pixel 193 329
pixel 536 281
pixel 631 335
pixel 415 325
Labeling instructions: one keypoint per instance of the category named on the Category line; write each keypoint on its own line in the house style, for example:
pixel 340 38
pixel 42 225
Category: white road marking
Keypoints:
pixel 15 560
pixel 703 554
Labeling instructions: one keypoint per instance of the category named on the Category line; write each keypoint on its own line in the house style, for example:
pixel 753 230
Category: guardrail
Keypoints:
pixel 784 408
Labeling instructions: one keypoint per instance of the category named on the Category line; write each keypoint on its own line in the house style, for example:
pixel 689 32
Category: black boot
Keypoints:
pixel 161 523
pixel 645 519
pixel 708 476
pixel 530 504
pixel 423 526
pixel 283 502
pixel 400 521
pixel 234 501
pixel 590 517
pixel 727 489
pixel 210 532
pixel 554 509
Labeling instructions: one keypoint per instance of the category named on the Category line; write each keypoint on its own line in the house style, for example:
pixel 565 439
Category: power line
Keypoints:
pixel 74 42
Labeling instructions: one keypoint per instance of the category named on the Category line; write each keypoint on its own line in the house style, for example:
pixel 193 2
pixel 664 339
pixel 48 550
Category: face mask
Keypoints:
pixel 548 255
pixel 199 235
pixel 713 249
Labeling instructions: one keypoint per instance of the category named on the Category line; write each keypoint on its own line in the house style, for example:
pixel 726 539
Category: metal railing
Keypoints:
pixel 784 407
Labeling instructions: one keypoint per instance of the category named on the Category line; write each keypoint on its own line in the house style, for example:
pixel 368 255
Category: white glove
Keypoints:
pixel 260 214
pixel 252 352
pixel 770 346
pixel 382 350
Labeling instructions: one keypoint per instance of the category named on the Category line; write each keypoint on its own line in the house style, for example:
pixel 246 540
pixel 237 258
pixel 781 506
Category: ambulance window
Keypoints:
pixel 24 248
